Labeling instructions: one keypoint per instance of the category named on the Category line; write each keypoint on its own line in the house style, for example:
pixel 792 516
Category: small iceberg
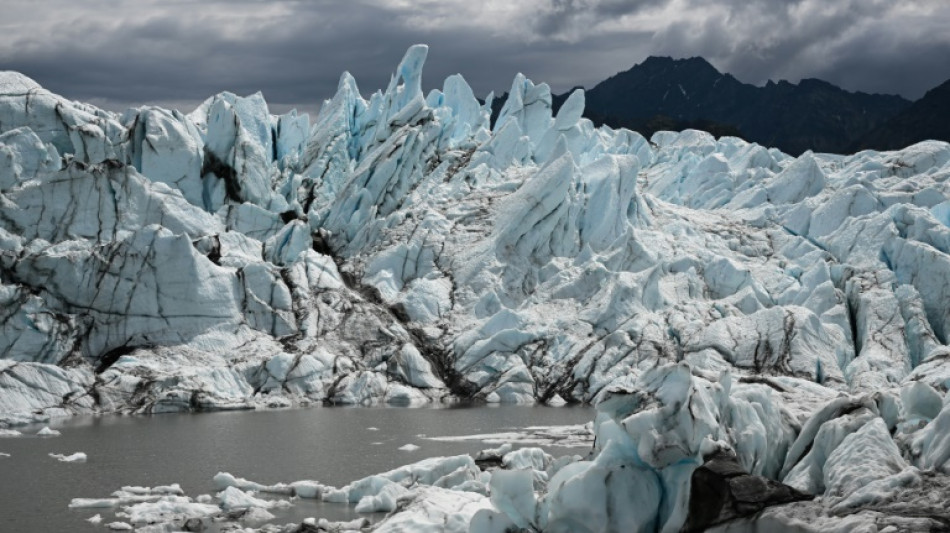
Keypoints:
pixel 47 432
pixel 77 457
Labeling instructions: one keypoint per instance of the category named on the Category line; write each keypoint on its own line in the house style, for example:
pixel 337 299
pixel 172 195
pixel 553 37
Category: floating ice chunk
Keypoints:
pixel 371 428
pixel 120 526
pixel 167 509
pixel 174 489
pixel 382 500
pixel 223 480
pixel 234 498
pixel 95 519
pixel 8 433
pixel 257 516
pixel 429 471
pixel 359 524
pixel 4 454
pixel 78 457
pixel 357 490
pixel 128 495
pixel 435 509
pixel 94 503
pixel 47 432
pixel 308 489
pixel 408 447
pixel 572 436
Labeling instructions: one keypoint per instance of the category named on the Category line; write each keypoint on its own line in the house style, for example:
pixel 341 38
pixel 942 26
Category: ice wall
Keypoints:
pixel 402 250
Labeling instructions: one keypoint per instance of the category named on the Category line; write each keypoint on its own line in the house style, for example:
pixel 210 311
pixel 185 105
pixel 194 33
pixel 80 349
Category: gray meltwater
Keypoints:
pixel 331 445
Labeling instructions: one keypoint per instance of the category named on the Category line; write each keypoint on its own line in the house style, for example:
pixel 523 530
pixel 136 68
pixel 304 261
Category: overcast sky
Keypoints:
pixel 116 53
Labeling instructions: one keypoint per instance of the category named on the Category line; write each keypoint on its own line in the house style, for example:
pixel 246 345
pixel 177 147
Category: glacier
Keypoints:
pixel 734 312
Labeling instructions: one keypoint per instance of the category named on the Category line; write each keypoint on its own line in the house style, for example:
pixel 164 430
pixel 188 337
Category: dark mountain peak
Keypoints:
pixel 655 64
pixel 673 88
pixel 927 118
pixel 815 83
pixel 785 84
pixel 660 80
pixel 668 60
pixel 941 91
pixel 794 117
pixel 657 60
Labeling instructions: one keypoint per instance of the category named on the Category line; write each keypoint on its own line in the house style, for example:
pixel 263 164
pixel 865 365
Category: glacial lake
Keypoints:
pixel 332 445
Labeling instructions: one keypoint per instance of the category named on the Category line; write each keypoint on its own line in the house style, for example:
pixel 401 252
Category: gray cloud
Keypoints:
pixel 566 18
pixel 179 52
pixel 867 45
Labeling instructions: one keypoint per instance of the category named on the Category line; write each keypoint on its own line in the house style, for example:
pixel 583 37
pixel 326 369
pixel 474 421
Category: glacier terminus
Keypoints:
pixel 764 337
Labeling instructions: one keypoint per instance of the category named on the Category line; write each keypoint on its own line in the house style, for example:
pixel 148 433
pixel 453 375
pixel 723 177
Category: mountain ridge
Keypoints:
pixel 927 118
pixel 675 94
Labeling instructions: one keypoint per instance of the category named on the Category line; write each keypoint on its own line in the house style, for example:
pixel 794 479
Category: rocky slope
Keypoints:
pixel 927 118
pixel 712 296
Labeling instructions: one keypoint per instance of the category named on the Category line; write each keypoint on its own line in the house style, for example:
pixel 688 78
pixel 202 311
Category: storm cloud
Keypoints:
pixel 178 52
